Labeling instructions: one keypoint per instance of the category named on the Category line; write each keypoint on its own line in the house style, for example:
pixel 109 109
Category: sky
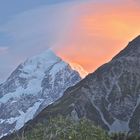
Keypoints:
pixel 86 32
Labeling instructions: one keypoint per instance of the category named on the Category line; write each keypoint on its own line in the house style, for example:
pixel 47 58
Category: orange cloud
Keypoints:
pixel 100 32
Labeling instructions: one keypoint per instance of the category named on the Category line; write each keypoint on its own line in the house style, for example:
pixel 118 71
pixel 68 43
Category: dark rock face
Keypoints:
pixel 110 96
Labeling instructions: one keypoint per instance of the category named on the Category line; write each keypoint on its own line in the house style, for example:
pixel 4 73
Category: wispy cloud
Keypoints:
pixel 3 49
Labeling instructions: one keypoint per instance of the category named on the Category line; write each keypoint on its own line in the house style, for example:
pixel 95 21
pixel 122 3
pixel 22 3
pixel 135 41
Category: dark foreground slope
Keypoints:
pixel 110 97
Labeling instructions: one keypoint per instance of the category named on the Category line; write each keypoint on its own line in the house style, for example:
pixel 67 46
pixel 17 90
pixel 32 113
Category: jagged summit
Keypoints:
pixel 131 50
pixel 37 65
pixel 41 62
pixel 35 84
pixel 47 57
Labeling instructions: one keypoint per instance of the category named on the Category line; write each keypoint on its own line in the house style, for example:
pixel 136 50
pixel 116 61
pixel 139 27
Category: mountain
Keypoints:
pixel 35 84
pixel 110 97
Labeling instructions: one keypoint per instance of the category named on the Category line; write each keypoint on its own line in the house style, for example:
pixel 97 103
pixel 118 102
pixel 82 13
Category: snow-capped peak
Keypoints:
pixel 34 84
pixel 47 57
pixel 37 65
